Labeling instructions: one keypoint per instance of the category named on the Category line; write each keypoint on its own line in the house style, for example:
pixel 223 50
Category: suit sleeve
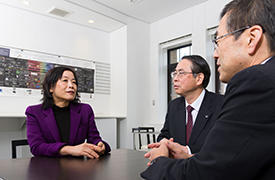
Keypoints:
pixel 38 145
pixel 93 134
pixel 241 143
pixel 164 133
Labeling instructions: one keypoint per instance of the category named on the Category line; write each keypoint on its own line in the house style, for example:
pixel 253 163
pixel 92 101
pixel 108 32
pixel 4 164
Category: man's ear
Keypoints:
pixel 200 78
pixel 254 38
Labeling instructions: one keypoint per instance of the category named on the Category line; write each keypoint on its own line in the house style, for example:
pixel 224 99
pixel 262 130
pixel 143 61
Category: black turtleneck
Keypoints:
pixel 62 117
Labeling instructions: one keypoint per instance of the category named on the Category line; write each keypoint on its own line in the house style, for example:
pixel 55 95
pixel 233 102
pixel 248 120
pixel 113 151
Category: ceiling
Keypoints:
pixel 107 15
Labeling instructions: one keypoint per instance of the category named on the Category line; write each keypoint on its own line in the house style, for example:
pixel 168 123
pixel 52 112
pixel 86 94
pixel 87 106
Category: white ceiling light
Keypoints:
pixel 27 3
pixel 135 1
pixel 91 21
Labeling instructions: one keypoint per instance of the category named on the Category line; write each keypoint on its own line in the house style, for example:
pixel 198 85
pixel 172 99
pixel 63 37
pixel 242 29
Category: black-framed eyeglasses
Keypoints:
pixel 180 73
pixel 216 39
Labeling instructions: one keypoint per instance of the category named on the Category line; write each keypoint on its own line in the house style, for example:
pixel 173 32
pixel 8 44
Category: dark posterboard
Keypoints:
pixel 22 73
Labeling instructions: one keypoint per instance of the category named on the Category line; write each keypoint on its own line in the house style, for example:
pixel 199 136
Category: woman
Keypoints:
pixel 61 125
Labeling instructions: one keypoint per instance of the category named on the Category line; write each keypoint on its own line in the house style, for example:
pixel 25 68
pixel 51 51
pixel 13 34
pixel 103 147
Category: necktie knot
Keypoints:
pixel 189 109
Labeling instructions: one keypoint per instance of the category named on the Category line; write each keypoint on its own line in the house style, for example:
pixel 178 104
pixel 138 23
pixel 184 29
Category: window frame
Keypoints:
pixel 171 67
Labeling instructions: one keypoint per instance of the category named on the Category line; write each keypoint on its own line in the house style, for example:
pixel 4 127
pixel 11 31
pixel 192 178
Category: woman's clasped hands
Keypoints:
pixel 85 149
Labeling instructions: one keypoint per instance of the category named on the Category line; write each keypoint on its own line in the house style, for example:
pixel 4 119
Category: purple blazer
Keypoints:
pixel 43 134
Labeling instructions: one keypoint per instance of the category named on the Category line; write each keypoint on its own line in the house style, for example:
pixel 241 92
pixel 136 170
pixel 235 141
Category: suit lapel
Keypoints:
pixel 75 121
pixel 203 116
pixel 51 123
pixel 181 124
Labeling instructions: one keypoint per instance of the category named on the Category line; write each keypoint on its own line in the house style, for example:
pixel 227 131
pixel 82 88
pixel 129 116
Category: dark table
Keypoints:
pixel 121 164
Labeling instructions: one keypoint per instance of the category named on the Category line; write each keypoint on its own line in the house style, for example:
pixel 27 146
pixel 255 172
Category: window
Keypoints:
pixel 174 56
pixel 219 87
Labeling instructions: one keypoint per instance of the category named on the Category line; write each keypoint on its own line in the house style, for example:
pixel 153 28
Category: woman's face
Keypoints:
pixel 64 90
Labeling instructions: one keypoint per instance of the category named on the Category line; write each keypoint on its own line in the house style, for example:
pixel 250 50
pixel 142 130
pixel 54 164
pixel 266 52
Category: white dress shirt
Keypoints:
pixel 196 105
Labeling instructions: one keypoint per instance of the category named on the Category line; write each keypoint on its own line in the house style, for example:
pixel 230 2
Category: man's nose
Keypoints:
pixel 215 54
pixel 175 78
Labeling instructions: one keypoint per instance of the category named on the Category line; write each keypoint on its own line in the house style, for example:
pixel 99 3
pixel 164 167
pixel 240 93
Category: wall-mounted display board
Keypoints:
pixel 22 73
pixel 27 69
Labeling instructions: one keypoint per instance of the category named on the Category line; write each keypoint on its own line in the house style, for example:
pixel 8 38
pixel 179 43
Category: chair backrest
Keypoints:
pixel 15 143
pixel 143 130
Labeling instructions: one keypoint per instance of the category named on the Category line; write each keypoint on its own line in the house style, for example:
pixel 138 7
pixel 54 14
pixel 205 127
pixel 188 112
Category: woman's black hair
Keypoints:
pixel 52 76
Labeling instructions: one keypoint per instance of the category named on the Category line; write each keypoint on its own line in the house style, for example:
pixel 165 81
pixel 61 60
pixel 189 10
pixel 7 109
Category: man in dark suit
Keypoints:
pixel 190 79
pixel 241 144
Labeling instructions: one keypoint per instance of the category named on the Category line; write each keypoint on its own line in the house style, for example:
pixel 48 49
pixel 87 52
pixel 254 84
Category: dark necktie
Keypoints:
pixel 189 124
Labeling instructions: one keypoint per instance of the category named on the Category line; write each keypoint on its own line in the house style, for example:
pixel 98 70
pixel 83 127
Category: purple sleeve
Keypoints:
pixel 36 140
pixel 93 134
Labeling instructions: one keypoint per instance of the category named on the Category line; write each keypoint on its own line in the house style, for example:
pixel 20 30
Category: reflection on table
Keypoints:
pixel 121 164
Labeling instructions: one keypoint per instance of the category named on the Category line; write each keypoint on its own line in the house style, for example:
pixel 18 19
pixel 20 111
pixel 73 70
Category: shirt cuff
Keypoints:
pixel 189 150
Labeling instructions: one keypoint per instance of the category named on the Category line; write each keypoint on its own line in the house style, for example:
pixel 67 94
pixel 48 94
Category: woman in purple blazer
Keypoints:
pixel 61 125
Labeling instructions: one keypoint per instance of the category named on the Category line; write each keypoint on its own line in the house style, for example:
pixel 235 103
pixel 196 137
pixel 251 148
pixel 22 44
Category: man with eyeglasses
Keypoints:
pixel 190 128
pixel 241 144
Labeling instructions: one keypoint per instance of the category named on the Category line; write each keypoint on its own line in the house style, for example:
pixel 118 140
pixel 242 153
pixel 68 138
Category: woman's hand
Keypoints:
pixel 85 149
pixel 101 146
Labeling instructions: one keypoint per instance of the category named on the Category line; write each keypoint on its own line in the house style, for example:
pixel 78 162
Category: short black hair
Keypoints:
pixel 52 76
pixel 242 13
pixel 199 65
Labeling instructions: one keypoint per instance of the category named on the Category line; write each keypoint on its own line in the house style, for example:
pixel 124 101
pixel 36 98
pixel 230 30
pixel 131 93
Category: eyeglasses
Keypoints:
pixel 180 73
pixel 216 39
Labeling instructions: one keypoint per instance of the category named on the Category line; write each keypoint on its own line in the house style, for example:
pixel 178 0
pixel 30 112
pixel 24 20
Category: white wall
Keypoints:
pixel 138 80
pixel 118 103
pixel 26 30
pixel 193 21
pixel 118 54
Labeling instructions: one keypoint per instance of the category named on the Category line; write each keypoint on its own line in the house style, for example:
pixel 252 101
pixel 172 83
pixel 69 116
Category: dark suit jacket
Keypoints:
pixel 241 144
pixel 43 134
pixel 175 122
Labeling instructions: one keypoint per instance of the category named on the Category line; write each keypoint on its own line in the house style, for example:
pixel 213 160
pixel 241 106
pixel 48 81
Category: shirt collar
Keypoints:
pixel 266 60
pixel 197 103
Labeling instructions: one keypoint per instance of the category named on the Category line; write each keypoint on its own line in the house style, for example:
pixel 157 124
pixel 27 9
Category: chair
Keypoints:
pixel 143 130
pixel 15 143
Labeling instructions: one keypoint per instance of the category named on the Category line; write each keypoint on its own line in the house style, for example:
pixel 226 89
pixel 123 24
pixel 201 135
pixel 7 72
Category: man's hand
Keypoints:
pixel 178 151
pixel 156 145
pixel 153 145
pixel 162 150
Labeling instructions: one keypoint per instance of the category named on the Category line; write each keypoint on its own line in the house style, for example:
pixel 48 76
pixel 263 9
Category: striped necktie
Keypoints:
pixel 189 124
